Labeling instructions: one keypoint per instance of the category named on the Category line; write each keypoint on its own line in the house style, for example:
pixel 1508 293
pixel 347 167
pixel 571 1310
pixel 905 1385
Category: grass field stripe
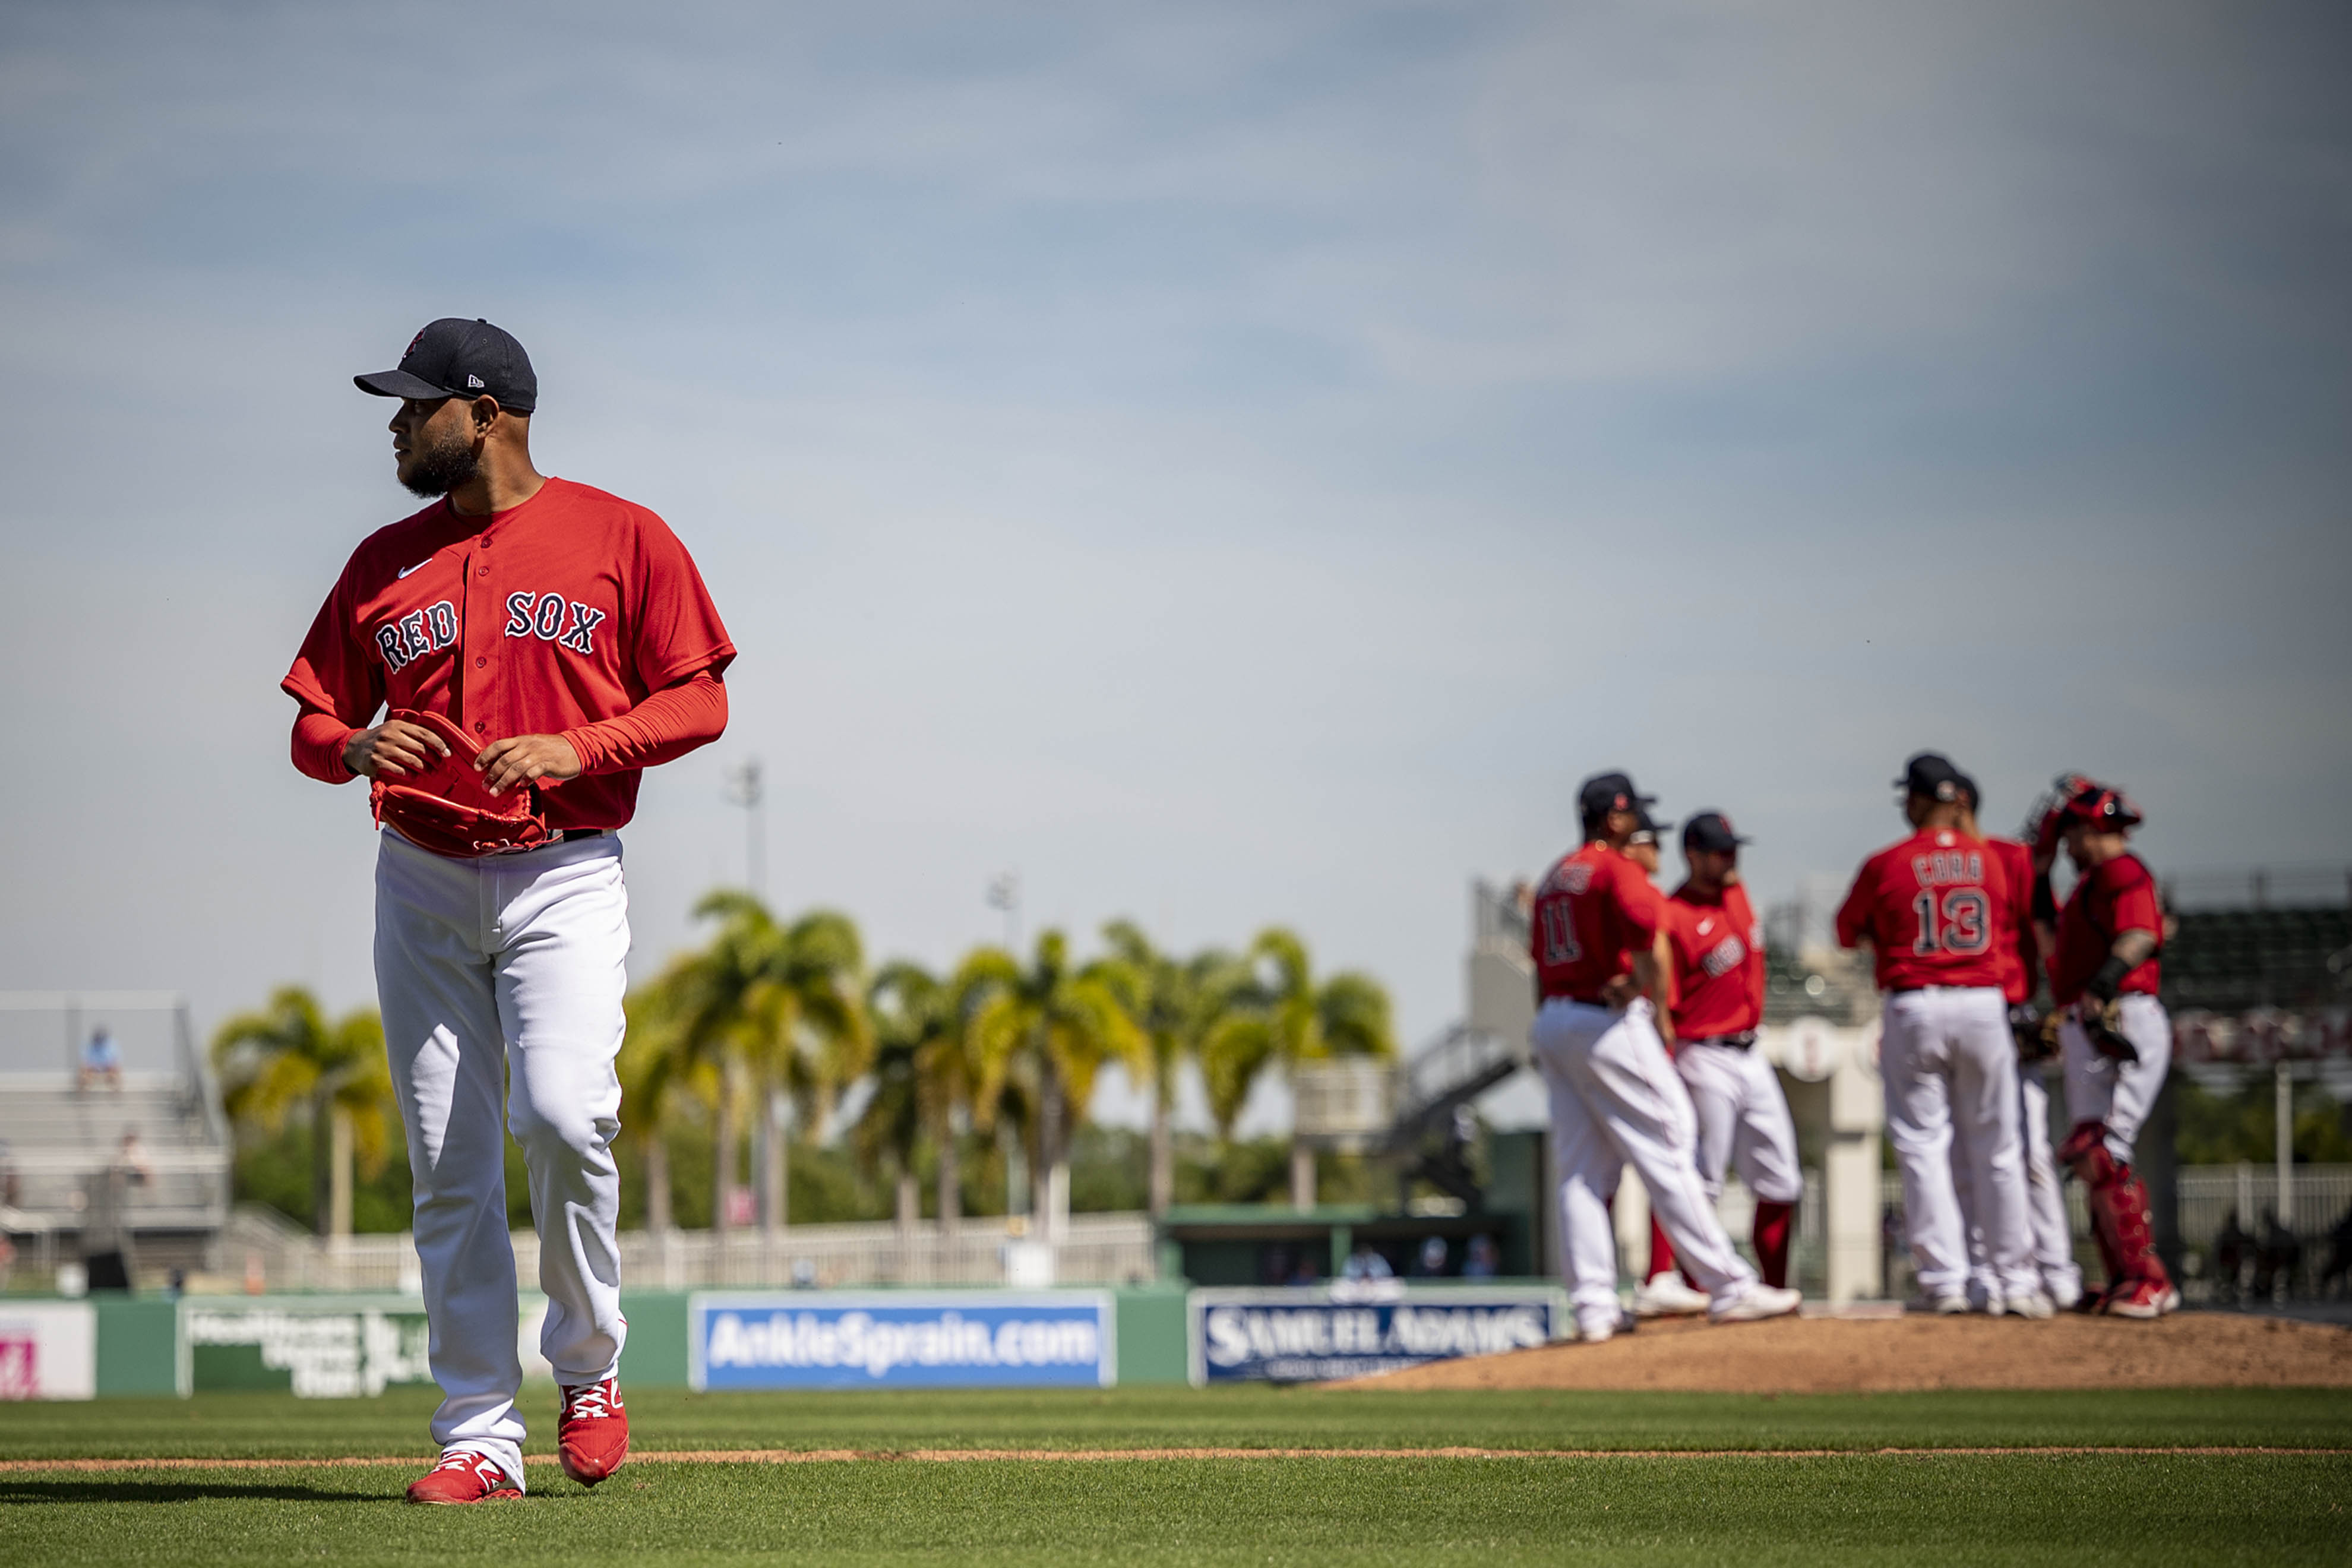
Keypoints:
pixel 1130 1456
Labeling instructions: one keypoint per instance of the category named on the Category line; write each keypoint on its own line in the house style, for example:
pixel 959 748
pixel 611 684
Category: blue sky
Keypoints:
pixel 1231 464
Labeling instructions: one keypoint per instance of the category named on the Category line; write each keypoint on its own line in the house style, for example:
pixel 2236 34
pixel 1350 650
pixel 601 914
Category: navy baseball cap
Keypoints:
pixel 1931 774
pixel 1609 791
pixel 1646 828
pixel 454 357
pixel 1711 830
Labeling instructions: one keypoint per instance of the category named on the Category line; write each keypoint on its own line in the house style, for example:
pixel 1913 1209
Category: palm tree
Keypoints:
pixel 785 1006
pixel 287 1052
pixel 657 1060
pixel 1043 1033
pixel 1178 1005
pixel 1285 1017
pixel 903 1003
pixel 916 1012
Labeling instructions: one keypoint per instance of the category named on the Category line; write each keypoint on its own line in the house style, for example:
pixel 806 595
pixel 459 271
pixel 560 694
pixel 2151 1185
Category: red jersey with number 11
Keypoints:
pixel 1933 909
pixel 1595 910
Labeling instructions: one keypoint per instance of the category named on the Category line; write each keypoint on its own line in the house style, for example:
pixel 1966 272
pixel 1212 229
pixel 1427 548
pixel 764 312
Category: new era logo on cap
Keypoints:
pixel 472 379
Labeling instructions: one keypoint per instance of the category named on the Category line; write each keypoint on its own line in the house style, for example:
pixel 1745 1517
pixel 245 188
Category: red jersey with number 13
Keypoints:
pixel 1932 908
pixel 1594 910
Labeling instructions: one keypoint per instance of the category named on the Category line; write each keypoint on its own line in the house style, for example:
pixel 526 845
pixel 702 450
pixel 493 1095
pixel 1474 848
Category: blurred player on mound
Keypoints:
pixel 2115 1040
pixel 1602 966
pixel 1717 947
pixel 2019 948
pixel 537 643
pixel 1932 909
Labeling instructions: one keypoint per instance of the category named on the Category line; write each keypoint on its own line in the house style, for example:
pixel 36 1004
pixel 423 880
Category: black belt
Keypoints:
pixel 1592 1000
pixel 1739 1042
pixel 566 834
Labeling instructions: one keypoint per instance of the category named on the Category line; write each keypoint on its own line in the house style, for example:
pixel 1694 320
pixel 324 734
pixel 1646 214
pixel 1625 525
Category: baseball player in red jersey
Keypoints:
pixel 1717 947
pixel 537 644
pixel 2115 1039
pixel 1662 1292
pixel 1601 963
pixel 1930 908
pixel 2019 949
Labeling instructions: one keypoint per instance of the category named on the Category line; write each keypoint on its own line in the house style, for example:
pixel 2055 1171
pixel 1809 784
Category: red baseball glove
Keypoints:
pixel 446 809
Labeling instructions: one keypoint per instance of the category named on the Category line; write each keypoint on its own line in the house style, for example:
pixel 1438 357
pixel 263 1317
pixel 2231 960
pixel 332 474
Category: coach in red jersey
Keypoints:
pixel 2115 1039
pixel 2020 950
pixel 531 641
pixel 1717 946
pixel 1930 908
pixel 1601 968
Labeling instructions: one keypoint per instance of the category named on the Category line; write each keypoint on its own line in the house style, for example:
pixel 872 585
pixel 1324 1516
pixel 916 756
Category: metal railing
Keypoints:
pixel 2208 1196
pixel 261 1250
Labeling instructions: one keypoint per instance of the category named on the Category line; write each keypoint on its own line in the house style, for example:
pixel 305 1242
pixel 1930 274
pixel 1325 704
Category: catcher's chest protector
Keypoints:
pixel 446 808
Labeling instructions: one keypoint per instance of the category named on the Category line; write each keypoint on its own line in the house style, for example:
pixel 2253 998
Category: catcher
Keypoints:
pixel 2114 1038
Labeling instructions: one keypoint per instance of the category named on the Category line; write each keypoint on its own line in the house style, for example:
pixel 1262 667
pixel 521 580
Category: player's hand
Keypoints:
pixel 393 748
pixel 525 758
pixel 1620 992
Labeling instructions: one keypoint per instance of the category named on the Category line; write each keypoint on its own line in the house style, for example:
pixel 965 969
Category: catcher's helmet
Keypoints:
pixel 2098 806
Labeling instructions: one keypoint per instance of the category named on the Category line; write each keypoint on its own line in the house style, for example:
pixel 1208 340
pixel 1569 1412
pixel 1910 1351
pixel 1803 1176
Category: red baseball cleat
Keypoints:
pixel 463 1476
pixel 592 1437
pixel 2141 1299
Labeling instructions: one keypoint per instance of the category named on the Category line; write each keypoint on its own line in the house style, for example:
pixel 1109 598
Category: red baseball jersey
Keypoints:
pixel 2016 947
pixel 1594 910
pixel 1718 948
pixel 2112 896
pixel 1931 907
pixel 570 608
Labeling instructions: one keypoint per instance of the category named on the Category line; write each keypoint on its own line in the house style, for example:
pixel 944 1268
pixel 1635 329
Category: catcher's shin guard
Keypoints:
pixel 1773 1224
pixel 2084 1152
pixel 2118 1205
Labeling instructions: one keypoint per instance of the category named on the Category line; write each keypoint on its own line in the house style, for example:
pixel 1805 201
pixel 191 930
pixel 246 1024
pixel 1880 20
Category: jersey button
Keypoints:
pixel 480 662
pixel 481 725
pixel 483 573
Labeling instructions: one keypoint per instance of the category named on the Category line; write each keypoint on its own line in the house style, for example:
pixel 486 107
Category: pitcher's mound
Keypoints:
pixel 1881 1355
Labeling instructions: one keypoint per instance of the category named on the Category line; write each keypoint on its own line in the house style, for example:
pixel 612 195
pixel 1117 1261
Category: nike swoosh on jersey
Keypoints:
pixel 419 567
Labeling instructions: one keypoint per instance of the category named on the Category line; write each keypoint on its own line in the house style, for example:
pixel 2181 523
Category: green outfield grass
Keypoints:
pixel 1859 1507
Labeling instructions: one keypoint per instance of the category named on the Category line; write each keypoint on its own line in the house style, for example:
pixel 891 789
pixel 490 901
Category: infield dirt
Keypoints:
pixel 1885 1355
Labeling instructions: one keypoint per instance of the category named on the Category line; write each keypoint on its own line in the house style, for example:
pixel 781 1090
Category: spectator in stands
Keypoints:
pixel 1431 1264
pixel 102 1060
pixel 1484 1261
pixel 1366 1263
pixel 105 1237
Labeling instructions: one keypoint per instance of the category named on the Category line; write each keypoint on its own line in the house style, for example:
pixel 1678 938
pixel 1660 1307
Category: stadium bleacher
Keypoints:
pixel 61 1131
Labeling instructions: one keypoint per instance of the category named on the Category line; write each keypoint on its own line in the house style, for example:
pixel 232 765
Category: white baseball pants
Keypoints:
pixel 1615 1100
pixel 501 980
pixel 2121 1094
pixel 1743 1121
pixel 2053 1246
pixel 1949 1066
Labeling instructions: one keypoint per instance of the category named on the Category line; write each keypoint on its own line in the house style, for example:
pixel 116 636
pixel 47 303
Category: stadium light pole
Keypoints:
pixel 1004 893
pixel 744 788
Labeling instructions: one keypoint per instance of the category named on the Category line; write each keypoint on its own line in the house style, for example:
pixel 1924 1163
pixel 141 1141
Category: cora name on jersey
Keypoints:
pixel 551 617
pixel 1964 865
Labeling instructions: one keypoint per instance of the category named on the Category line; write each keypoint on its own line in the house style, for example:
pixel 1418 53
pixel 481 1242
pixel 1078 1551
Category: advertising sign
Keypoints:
pixel 322 1347
pixel 48 1349
pixel 1310 1333
pixel 901 1338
